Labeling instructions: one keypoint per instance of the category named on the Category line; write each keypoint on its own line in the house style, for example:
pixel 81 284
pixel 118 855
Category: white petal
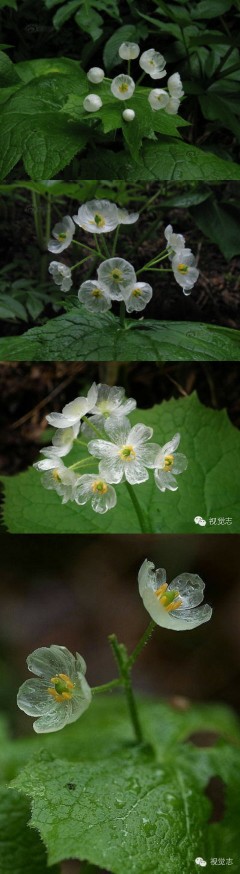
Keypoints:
pixel 112 470
pixel 135 472
pixel 102 449
pixel 139 434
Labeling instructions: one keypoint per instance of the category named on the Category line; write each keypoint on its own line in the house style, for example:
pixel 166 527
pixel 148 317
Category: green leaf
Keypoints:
pixel 78 336
pixel 33 129
pixel 204 9
pixel 90 21
pixel 65 12
pixel 219 225
pixel 21 849
pixel 168 160
pixel 216 108
pixel 11 308
pixel 11 3
pixel 146 814
pixel 209 487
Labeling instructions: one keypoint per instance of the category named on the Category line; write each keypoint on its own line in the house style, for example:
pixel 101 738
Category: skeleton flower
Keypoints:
pixel 110 401
pixel 97 217
pixel 184 269
pixel 94 297
pixel 92 487
pixel 172 106
pixel 176 242
pixel 174 84
pixel 158 99
pixel 59 693
pixel 95 75
pixel 59 479
pixel 73 412
pixel 168 463
pixel 61 275
pixel 127 456
pixel 63 233
pixel 129 51
pixel 125 217
pixel 140 293
pixel 92 103
pixel 176 605
pixel 153 63
pixel 115 275
pixel 122 87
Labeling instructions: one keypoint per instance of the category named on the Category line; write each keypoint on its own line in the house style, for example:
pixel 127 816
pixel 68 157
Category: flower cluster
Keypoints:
pixel 182 260
pixel 116 277
pixel 123 86
pixel 120 452
pixel 59 694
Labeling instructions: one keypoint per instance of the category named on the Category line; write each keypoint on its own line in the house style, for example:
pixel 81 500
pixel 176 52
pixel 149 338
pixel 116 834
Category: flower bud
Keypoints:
pixel 128 114
pixel 129 51
pixel 92 103
pixel 96 75
pixel 158 99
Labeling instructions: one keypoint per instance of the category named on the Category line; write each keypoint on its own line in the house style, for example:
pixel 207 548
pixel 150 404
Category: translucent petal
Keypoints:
pixel 165 480
pixel 190 587
pixel 188 619
pixel 34 698
pixel 140 434
pixel 180 463
pixel 58 420
pixel 147 454
pixel 172 444
pixel 112 470
pixel 135 472
pixel 48 661
pixel 102 449
pixel 103 503
pixel 83 489
pixel 118 430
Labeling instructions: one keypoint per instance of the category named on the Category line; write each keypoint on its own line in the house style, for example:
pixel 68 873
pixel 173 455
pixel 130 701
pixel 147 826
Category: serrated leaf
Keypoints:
pixel 147 815
pixel 209 487
pixel 21 849
pixel 168 160
pixel 78 336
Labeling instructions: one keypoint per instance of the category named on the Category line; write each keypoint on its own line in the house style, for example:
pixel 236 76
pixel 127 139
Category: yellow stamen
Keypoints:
pixel 98 220
pixel 174 605
pixel 136 292
pixel 96 292
pixel 123 87
pixel 168 462
pixel 62 236
pixel 56 475
pixel 63 687
pixel 183 268
pixel 127 453
pixel 159 592
pixel 100 487
pixel 116 275
pixel 168 599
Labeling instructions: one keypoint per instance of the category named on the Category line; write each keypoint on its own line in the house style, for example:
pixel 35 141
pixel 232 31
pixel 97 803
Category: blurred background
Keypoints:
pixel 76 590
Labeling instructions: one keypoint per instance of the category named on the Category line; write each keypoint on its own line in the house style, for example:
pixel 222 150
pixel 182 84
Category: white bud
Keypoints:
pixel 158 99
pixel 96 75
pixel 92 103
pixel 129 51
pixel 128 114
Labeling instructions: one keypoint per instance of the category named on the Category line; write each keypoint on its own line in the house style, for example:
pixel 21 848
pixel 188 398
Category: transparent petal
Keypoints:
pixel 103 449
pixel 165 480
pixel 190 587
pixel 118 430
pixel 34 698
pixel 58 420
pixel 140 434
pixel 112 470
pixel 103 503
pixel 172 444
pixel 48 661
pixel 147 454
pixel 135 472
pixel 188 619
pixel 180 463
pixel 83 489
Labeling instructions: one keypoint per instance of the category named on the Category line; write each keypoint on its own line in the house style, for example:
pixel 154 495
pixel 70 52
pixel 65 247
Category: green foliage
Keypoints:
pixel 169 159
pixel 78 335
pixel 21 849
pixel 145 808
pixel 208 488
pixel 220 223
pixel 86 15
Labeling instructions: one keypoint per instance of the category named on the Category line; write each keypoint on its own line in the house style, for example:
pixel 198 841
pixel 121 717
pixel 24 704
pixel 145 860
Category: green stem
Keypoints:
pixel 153 261
pixel 228 72
pixel 81 442
pixel 107 686
pixel 160 269
pixel 122 314
pixel 97 253
pixel 105 247
pixel 121 657
pixel 142 642
pixel 223 61
pixel 138 510
pixel 83 463
pixel 140 78
pixel 38 220
pixel 78 264
pixel 129 67
pixel 90 424
pixel 115 241
pixel 48 219
pixel 151 200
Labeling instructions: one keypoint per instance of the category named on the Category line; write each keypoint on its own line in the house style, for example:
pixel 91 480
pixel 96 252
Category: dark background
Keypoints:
pixel 75 590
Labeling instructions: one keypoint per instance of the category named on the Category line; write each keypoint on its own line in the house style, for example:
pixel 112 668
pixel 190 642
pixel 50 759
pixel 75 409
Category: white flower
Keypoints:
pixel 122 87
pixel 63 233
pixel 59 479
pixel 110 401
pixel 125 217
pixel 92 103
pixel 91 487
pixel 97 216
pixel 60 693
pixel 73 412
pixel 158 99
pixel 127 456
pixel 153 63
pixel 62 444
pixel 61 275
pixel 129 51
pixel 51 460
pixel 176 605
pixel 174 84
pixel 96 75
pixel 115 275
pixel 128 114
pixel 185 272
pixel 168 463
pixel 176 242
pixel 139 295
pixel 172 106
pixel 94 297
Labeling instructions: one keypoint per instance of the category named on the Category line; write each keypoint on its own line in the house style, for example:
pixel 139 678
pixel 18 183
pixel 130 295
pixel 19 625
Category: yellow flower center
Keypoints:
pixel 62 689
pixel 183 268
pixel 116 275
pixel 127 453
pixel 168 462
pixel 136 292
pixel 123 87
pixel 99 221
pixel 62 236
pixel 169 600
pixel 96 292
pixel 56 475
pixel 100 487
